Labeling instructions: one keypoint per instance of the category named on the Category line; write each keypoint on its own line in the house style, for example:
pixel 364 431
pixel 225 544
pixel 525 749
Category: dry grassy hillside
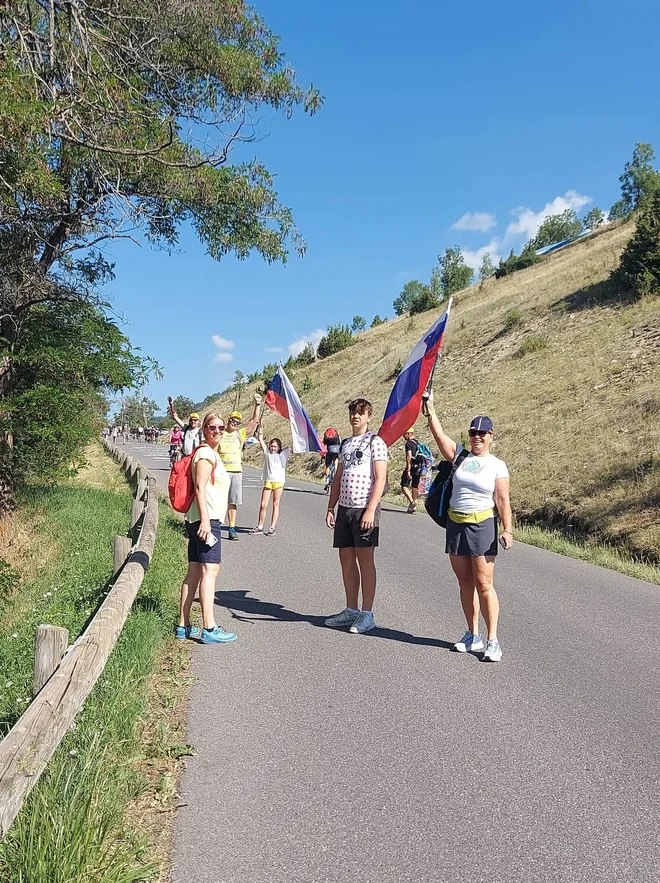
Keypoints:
pixel 567 369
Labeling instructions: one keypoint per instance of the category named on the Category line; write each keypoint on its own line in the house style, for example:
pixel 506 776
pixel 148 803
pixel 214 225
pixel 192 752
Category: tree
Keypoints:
pixel 305 357
pixel 424 301
pixel 639 177
pixel 237 385
pixel 455 275
pixel 593 219
pixel 619 210
pixel 377 321
pixel 409 291
pixel 556 228
pixel 513 263
pixel 639 269
pixel 118 120
pixel 183 406
pixel 359 323
pixel 337 338
pixel 487 269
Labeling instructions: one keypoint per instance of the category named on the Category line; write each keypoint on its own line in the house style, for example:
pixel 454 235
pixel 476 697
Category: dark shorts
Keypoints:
pixel 472 539
pixel 413 481
pixel 330 458
pixel 349 534
pixel 199 552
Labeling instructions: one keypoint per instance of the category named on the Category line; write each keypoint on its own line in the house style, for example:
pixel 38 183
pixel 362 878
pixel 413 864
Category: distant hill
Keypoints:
pixel 566 367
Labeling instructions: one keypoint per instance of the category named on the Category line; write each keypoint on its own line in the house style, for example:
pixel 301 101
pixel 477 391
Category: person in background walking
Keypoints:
pixel 231 452
pixel 358 486
pixel 274 476
pixel 203 521
pixel 480 492
pixel 114 435
pixel 192 431
pixel 411 473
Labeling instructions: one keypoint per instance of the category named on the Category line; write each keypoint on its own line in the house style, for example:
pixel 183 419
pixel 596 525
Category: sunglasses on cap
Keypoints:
pixel 480 432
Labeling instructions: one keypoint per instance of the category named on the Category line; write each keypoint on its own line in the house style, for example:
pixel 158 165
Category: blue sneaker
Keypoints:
pixel 217 636
pixel 181 632
pixel 232 535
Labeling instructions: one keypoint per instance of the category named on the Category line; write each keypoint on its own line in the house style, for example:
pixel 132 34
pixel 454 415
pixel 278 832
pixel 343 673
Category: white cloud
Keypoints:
pixel 528 221
pixel 474 258
pixel 222 357
pixel 274 349
pixel 222 343
pixel 482 222
pixel 299 345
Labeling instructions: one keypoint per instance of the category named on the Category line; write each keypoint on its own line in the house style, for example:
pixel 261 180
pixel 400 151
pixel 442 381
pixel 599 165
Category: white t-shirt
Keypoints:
pixel 275 465
pixel 358 454
pixel 192 438
pixel 474 482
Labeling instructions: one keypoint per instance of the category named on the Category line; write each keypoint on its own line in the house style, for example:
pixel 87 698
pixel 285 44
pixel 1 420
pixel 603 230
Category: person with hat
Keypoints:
pixel 192 430
pixel 231 454
pixel 412 473
pixel 480 493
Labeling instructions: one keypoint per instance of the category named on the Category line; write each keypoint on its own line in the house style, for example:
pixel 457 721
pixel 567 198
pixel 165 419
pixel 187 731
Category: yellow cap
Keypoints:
pixel 193 416
pixel 236 415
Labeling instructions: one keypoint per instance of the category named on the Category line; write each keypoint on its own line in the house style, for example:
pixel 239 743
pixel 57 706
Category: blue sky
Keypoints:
pixel 443 124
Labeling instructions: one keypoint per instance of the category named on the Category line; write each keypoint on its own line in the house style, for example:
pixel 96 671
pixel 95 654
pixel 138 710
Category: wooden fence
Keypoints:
pixel 29 745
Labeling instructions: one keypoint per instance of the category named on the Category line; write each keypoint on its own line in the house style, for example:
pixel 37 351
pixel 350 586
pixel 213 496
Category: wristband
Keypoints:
pixel 507 531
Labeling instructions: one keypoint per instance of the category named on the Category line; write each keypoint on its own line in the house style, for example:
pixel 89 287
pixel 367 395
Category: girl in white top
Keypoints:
pixel 203 521
pixel 274 476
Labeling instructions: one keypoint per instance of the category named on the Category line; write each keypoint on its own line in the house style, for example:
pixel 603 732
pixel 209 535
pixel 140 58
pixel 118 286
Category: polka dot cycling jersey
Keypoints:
pixel 358 454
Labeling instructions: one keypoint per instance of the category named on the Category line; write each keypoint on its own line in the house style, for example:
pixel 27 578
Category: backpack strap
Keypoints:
pixel 215 462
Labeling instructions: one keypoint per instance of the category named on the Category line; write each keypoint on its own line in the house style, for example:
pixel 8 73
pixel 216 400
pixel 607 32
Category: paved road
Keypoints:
pixel 324 756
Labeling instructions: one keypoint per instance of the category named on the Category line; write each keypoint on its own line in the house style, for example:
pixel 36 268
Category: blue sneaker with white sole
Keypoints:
pixel 217 636
pixel 181 632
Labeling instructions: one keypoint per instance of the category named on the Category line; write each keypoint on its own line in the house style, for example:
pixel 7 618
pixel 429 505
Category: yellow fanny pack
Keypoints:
pixel 470 517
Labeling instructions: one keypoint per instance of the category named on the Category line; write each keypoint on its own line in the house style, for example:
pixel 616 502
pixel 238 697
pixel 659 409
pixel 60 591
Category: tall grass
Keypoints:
pixel 73 827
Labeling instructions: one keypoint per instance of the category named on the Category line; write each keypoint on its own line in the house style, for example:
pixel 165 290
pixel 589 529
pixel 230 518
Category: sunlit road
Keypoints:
pixel 324 756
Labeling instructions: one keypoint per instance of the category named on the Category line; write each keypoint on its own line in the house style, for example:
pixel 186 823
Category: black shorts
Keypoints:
pixel 199 552
pixel 349 534
pixel 472 539
pixel 330 458
pixel 413 481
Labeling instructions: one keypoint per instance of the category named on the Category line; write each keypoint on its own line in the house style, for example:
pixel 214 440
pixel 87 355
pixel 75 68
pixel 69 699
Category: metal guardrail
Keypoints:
pixel 64 682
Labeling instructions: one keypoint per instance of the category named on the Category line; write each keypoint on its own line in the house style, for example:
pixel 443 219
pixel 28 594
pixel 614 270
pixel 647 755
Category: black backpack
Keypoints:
pixel 439 494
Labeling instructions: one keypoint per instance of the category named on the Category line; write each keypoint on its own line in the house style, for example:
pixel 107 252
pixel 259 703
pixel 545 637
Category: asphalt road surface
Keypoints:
pixel 324 756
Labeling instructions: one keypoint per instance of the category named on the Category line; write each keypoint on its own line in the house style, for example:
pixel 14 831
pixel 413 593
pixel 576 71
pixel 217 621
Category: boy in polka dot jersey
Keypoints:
pixel 358 486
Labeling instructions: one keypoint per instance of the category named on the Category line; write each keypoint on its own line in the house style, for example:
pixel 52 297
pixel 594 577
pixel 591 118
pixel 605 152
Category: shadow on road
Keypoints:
pixel 303 490
pixel 240 602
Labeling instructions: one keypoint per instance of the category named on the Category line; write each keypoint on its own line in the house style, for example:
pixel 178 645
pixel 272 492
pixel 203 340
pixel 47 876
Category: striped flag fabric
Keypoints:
pixel 405 400
pixel 283 399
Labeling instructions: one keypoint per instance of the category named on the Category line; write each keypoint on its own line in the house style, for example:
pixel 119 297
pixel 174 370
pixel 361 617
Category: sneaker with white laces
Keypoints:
pixel 341 620
pixel 363 623
pixel 493 652
pixel 469 643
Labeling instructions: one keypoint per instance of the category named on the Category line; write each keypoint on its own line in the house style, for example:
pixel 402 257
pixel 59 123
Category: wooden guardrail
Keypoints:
pixel 29 745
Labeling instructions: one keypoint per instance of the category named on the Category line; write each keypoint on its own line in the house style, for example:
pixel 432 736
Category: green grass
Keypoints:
pixel 73 827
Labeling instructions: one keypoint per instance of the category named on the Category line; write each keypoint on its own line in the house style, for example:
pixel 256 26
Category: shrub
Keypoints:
pixel 512 319
pixel 513 263
pixel 425 300
pixel 358 324
pixel 338 338
pixel 532 344
pixel 377 321
pixel 639 269
pixel 398 368
pixel 308 384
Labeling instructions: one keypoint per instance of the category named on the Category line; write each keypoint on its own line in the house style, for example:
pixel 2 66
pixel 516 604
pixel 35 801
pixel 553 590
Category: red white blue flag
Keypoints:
pixel 283 399
pixel 405 400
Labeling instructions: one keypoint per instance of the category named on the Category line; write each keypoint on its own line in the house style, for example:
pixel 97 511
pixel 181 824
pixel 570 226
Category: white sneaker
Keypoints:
pixel 341 620
pixel 469 643
pixel 364 623
pixel 493 652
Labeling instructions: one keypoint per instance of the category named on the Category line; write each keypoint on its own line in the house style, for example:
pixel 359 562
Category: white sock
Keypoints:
pixel 351 611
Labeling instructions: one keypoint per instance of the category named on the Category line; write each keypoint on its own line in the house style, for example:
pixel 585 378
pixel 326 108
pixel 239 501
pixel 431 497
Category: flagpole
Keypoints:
pixel 429 385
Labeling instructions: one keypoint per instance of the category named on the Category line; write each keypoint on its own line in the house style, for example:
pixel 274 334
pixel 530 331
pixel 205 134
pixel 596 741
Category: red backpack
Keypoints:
pixel 181 487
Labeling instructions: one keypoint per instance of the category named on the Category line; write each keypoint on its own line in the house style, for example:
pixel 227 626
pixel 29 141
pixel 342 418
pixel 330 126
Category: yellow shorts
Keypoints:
pixel 273 485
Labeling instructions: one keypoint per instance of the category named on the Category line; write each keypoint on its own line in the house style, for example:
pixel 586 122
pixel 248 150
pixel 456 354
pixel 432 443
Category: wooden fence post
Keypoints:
pixel 141 489
pixel 137 508
pixel 50 645
pixel 121 553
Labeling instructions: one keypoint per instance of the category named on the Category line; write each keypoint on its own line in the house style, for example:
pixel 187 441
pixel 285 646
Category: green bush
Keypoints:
pixel 338 338
pixel 512 319
pixel 639 270
pixel 425 300
pixel 377 321
pixel 532 344
pixel 513 263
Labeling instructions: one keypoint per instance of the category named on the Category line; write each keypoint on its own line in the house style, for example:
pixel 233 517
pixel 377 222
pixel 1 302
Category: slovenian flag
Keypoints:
pixel 405 400
pixel 283 399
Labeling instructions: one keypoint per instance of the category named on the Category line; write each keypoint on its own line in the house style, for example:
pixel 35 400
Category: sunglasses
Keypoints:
pixel 215 428
pixel 480 432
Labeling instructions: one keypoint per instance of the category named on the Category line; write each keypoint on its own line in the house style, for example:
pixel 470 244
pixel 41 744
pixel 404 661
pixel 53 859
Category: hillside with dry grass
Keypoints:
pixel 566 366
